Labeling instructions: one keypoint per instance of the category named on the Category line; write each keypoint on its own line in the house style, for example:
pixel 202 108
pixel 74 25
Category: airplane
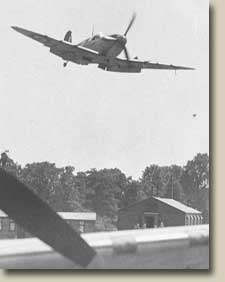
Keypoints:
pixel 99 49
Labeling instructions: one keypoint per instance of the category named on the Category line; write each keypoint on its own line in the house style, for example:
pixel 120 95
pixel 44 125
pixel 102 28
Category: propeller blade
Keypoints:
pixel 35 216
pixel 126 53
pixel 130 24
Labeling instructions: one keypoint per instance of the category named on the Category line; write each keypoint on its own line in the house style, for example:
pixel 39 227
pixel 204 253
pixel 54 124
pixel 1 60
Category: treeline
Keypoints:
pixel 104 191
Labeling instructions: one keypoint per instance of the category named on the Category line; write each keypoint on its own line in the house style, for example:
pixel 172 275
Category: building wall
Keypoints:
pixel 89 226
pixel 168 215
pixel 132 215
pixel 5 231
pixel 81 226
pixel 193 219
pixel 21 233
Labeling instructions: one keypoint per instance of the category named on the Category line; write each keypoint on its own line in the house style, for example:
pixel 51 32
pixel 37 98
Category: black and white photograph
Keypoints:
pixel 104 144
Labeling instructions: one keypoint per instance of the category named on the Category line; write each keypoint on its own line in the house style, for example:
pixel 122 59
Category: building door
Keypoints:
pixel 150 221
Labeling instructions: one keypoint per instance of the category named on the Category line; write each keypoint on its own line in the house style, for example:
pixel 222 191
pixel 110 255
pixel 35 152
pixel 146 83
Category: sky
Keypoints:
pixel 88 118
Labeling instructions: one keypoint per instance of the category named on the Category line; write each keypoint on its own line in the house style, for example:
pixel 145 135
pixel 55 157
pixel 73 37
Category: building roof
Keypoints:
pixel 177 205
pixel 78 215
pixel 68 215
pixel 2 214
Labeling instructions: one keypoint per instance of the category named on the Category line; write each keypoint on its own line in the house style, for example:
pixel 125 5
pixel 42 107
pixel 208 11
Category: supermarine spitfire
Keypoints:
pixel 98 49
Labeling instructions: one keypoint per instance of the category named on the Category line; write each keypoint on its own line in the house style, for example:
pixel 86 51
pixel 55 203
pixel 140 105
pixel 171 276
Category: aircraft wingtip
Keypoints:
pixel 188 68
pixel 15 27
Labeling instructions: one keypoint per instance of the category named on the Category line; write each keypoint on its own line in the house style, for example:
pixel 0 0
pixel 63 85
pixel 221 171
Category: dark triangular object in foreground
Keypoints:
pixel 36 217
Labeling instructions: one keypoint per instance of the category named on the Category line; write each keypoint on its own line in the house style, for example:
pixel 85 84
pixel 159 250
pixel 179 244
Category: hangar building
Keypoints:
pixel 156 212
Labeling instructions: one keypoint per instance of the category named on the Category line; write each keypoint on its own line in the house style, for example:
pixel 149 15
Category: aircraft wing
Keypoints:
pixel 123 65
pixel 46 40
pixel 81 55
pixel 65 50
pixel 175 248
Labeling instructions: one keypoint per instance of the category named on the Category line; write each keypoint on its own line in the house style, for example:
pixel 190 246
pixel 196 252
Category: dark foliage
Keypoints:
pixel 106 190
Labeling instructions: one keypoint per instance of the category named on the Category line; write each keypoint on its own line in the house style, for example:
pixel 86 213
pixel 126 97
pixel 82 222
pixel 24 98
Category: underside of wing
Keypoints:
pixel 46 40
pixel 64 50
pixel 149 65
pixel 123 65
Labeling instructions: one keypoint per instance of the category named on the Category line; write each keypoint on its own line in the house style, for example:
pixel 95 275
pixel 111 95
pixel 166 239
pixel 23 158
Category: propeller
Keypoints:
pixel 125 34
pixel 126 53
pixel 121 39
pixel 35 216
pixel 130 24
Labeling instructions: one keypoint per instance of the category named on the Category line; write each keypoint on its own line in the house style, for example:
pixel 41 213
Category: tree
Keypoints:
pixel 70 193
pixel 133 193
pixel 104 189
pixel 151 180
pixel 81 187
pixel 14 168
pixel 195 181
pixel 43 179
pixel 173 187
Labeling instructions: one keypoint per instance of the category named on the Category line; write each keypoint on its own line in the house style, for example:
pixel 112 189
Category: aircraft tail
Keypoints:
pixel 68 36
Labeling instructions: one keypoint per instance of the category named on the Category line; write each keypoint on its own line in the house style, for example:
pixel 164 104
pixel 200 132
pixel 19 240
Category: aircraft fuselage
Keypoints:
pixel 104 45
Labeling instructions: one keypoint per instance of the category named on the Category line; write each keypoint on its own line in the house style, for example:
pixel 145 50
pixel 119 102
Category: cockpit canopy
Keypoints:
pixel 96 36
pixel 114 36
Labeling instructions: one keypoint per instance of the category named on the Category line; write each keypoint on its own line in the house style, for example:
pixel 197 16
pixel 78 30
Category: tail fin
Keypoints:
pixel 68 36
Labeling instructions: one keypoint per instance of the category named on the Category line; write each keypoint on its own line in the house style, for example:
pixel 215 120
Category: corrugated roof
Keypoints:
pixel 177 205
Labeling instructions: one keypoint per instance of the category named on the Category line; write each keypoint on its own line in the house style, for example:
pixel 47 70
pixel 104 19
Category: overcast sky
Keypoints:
pixel 88 118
